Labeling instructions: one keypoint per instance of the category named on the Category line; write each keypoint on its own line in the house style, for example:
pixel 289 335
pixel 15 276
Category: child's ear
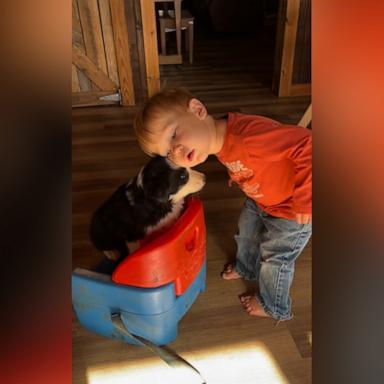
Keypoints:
pixel 198 108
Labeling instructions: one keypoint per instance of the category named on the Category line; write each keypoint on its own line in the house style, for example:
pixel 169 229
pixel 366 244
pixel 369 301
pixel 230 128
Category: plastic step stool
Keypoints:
pixel 152 289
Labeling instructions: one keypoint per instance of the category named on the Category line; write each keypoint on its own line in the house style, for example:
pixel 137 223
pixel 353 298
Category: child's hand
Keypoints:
pixel 304 218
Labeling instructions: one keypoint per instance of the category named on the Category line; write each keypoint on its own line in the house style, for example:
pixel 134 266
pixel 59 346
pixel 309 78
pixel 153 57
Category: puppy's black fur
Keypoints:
pixel 144 204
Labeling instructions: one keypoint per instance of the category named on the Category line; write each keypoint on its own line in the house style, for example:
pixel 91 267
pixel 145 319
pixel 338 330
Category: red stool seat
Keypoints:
pixel 173 256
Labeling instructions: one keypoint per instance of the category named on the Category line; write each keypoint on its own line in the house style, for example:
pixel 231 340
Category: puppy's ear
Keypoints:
pixel 158 192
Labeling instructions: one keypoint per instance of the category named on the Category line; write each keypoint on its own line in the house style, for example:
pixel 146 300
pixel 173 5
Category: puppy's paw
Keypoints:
pixel 112 255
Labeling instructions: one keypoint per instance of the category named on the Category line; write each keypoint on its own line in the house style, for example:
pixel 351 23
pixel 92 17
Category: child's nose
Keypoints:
pixel 177 149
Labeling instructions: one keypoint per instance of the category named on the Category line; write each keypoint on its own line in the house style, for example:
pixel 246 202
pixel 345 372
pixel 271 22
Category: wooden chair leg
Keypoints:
pixel 307 117
pixel 186 36
pixel 162 41
pixel 190 44
pixel 178 26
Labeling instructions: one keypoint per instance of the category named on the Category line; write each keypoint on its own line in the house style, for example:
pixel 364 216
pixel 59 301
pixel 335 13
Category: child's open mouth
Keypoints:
pixel 190 155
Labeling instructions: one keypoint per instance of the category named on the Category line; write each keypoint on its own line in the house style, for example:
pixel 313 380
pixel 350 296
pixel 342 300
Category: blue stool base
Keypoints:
pixel 152 313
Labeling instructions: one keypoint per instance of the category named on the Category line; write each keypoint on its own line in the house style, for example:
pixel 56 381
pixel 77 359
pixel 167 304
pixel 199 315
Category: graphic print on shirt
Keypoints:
pixel 240 175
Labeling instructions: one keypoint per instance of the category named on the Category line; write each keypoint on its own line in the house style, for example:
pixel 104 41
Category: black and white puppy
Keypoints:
pixel 152 200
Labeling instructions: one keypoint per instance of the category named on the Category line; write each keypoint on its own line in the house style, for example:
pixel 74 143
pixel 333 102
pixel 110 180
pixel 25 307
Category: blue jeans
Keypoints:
pixel 267 248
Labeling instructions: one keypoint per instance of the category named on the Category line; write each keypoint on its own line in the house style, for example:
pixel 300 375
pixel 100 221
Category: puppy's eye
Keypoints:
pixel 183 176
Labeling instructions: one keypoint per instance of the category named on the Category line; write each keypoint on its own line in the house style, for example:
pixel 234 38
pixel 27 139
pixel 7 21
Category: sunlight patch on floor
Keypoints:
pixel 243 363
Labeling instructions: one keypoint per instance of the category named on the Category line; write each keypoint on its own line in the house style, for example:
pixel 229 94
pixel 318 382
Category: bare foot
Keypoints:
pixel 229 272
pixel 251 305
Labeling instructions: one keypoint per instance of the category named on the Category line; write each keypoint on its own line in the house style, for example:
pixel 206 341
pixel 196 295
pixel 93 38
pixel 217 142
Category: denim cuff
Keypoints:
pixel 275 316
pixel 243 272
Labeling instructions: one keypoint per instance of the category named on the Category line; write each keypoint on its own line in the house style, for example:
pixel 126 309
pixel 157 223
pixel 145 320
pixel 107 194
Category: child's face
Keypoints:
pixel 185 138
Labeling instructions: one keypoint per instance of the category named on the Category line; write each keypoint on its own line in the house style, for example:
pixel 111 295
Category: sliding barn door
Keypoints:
pixel 101 62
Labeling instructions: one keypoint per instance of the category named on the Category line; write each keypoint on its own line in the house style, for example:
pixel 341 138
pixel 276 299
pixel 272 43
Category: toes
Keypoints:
pixel 251 309
pixel 246 303
pixel 249 303
pixel 230 273
pixel 245 299
pixel 228 268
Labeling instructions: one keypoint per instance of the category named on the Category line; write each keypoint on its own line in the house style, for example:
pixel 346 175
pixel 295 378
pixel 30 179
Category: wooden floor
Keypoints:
pixel 216 335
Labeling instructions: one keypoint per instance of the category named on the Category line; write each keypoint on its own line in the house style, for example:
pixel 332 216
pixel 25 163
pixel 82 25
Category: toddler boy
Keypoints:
pixel 271 162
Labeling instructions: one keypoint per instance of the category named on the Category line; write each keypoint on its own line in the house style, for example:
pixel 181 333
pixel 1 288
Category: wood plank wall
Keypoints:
pixel 292 52
pixel 150 46
pixel 108 51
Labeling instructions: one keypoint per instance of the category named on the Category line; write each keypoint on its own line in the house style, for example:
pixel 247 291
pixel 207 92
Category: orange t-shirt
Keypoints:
pixel 274 159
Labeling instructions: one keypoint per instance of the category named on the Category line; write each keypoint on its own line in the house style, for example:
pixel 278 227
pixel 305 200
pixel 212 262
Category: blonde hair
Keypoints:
pixel 163 102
